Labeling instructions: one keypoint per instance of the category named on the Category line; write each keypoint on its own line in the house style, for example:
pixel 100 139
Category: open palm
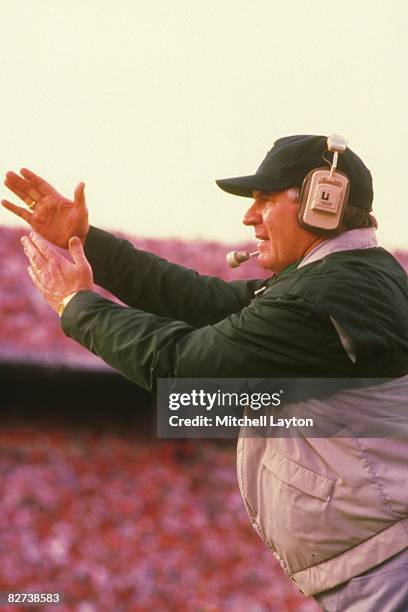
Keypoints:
pixel 52 215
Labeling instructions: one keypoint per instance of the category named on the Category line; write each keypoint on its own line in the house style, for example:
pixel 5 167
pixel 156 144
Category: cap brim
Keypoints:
pixel 245 185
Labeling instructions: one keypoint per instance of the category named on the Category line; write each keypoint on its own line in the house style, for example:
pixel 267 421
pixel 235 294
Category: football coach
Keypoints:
pixel 334 511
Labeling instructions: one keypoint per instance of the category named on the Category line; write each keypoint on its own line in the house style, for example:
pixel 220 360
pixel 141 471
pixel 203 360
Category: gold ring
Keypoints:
pixel 32 205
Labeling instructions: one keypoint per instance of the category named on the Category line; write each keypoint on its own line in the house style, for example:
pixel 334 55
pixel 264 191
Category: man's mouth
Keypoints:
pixel 262 241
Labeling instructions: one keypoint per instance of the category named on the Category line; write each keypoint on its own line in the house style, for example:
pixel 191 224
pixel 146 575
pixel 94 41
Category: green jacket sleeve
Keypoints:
pixel 269 338
pixel 146 281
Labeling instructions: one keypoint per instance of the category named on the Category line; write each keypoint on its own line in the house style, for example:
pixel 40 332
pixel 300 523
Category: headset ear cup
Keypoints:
pixel 315 218
pixel 304 192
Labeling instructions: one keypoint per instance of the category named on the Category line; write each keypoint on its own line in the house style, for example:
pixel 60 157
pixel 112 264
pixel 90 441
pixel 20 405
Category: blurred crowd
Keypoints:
pixel 117 521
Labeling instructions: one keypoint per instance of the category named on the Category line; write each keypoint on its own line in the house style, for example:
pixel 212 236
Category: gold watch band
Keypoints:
pixel 64 302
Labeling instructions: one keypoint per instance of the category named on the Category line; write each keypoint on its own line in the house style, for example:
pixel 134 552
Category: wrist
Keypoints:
pixel 63 303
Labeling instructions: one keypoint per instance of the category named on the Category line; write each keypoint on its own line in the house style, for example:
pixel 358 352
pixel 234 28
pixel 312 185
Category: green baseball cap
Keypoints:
pixel 291 158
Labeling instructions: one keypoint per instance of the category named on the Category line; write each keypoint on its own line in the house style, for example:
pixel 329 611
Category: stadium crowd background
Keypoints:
pixel 93 505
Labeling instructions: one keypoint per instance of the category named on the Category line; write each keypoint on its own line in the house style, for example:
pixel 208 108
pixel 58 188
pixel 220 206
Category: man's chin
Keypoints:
pixel 266 261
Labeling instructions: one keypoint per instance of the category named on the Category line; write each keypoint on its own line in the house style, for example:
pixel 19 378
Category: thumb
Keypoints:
pixel 79 195
pixel 77 252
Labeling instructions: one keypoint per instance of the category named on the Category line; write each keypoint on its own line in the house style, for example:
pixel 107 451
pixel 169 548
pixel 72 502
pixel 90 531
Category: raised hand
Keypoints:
pixel 49 213
pixel 53 274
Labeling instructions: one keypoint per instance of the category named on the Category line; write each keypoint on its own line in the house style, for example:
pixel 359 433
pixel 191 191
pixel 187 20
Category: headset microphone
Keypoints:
pixel 236 258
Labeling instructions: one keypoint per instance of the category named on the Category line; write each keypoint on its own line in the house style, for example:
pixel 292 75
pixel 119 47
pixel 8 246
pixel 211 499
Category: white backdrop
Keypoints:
pixel 149 101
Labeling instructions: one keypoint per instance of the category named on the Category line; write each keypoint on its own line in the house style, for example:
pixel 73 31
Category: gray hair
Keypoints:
pixel 294 193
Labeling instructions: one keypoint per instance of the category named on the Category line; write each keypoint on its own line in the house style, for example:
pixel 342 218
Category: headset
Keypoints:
pixel 322 201
pixel 324 194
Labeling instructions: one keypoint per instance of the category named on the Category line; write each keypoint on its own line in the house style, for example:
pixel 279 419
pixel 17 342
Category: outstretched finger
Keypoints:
pixel 23 196
pixel 22 188
pixel 32 275
pixel 35 278
pixel 77 251
pixel 40 183
pixel 17 210
pixel 36 258
pixel 79 195
pixel 44 247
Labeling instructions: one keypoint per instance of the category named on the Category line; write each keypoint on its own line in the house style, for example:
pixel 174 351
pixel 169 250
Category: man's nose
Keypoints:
pixel 252 216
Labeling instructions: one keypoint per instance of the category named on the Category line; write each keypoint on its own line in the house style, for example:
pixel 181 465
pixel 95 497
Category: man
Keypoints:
pixel 331 509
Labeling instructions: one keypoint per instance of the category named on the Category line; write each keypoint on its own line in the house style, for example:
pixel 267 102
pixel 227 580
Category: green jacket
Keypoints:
pixel 328 508
pixel 182 324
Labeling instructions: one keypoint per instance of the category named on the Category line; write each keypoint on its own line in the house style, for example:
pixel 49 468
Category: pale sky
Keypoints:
pixel 149 101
